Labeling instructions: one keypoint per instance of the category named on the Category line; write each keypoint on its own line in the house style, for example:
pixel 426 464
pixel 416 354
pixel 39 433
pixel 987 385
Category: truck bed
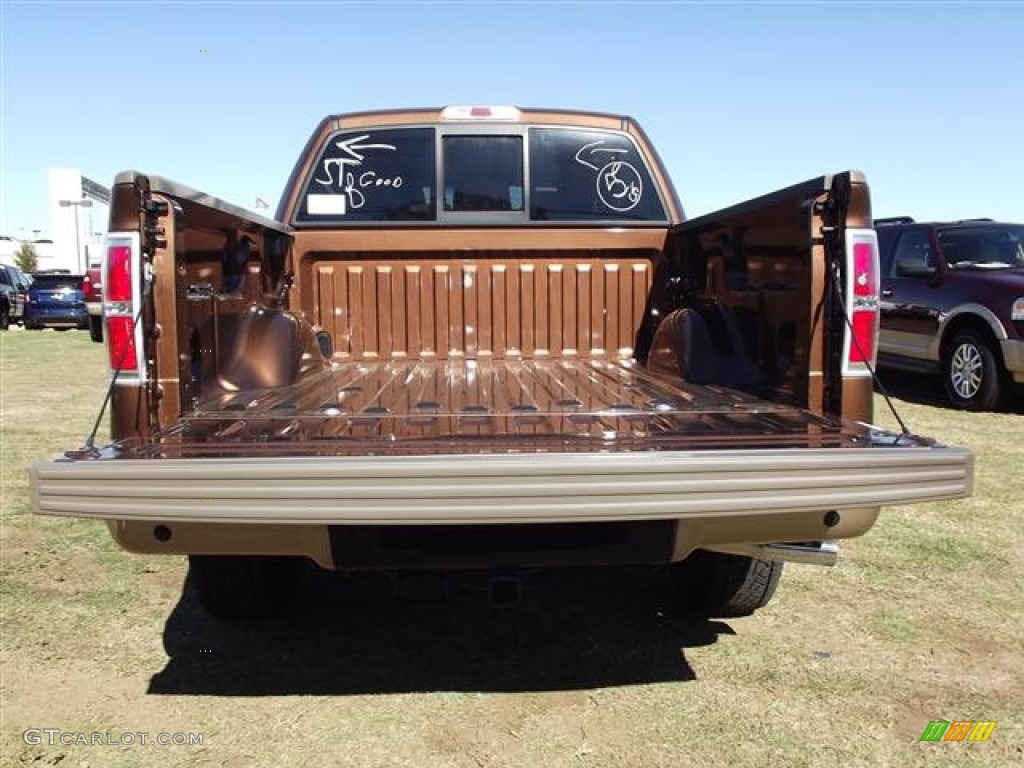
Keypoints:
pixel 460 406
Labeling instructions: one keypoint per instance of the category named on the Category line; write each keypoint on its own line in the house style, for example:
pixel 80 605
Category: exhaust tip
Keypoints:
pixel 812 553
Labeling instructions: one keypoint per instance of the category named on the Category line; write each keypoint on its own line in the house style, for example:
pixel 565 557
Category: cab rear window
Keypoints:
pixel 483 173
pixel 503 175
pixel 589 175
pixel 382 175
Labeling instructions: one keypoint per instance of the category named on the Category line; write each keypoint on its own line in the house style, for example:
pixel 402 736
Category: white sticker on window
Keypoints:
pixel 324 205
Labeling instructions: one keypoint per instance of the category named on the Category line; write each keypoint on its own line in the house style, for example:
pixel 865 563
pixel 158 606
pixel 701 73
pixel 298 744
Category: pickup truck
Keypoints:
pixel 487 338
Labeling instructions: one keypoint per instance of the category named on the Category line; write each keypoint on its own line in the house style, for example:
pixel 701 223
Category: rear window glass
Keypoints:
pixel 373 175
pixel 483 173
pixel 57 282
pixel 581 175
pixel 512 174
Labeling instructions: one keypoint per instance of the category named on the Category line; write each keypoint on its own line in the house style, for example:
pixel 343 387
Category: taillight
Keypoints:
pixel 865 277
pixel 121 280
pixel 865 330
pixel 91 288
pixel 121 344
pixel 861 300
pixel 119 273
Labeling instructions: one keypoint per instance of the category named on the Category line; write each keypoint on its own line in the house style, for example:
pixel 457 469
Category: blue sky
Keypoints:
pixel 740 98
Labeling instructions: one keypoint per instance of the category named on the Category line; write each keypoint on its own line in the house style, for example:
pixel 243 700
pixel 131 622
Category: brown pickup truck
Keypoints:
pixel 485 337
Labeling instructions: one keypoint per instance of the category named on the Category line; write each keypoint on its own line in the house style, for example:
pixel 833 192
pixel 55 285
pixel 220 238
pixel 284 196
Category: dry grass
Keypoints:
pixel 921 620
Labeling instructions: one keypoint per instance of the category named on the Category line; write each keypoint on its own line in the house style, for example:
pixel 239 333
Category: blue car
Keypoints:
pixel 56 301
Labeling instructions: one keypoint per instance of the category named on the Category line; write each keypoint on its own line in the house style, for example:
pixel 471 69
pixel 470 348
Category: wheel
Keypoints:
pixel 5 318
pixel 96 328
pixel 717 584
pixel 246 587
pixel 971 373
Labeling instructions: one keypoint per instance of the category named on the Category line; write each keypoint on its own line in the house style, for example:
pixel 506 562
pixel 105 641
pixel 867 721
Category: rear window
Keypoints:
pixel 483 173
pixel 57 282
pixel 374 175
pixel 992 246
pixel 580 175
pixel 494 175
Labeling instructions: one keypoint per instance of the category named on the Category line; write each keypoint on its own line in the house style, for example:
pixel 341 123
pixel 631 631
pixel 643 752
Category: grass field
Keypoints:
pixel 922 619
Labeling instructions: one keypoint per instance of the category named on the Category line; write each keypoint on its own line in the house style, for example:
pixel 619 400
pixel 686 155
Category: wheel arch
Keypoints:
pixel 976 318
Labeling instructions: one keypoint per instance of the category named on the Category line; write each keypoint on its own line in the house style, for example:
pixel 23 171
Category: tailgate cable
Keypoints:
pixel 89 449
pixel 875 380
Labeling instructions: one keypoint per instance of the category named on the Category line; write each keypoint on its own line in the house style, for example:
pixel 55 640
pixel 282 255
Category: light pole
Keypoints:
pixel 76 204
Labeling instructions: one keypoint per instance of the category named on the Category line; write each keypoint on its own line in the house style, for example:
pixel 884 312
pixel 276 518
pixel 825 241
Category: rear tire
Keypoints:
pixel 96 328
pixel 971 373
pixel 241 588
pixel 5 318
pixel 716 584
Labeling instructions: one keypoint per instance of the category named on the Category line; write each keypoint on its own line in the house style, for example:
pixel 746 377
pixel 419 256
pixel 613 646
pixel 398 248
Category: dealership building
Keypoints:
pixel 79 209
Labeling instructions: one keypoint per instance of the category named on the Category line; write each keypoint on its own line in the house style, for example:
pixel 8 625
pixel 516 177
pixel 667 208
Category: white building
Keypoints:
pixel 79 211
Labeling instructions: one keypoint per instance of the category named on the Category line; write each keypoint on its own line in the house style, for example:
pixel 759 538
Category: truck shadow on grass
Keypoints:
pixel 574 629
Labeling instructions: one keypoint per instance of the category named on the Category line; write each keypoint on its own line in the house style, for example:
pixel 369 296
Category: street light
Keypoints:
pixel 76 204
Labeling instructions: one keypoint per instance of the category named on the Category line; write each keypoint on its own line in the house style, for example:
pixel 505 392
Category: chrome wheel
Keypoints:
pixel 973 373
pixel 966 370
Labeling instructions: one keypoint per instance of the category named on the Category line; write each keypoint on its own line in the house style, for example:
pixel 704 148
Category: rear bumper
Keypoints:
pixel 71 317
pixel 94 308
pixel 287 506
pixel 541 487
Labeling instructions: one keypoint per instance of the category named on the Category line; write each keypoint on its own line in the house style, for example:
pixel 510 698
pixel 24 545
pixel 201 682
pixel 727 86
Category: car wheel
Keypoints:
pixel 241 588
pixel 971 373
pixel 717 584
pixel 5 318
pixel 96 328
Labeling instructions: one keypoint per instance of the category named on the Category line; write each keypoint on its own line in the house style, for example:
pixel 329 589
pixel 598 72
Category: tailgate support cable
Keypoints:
pixel 89 449
pixel 875 380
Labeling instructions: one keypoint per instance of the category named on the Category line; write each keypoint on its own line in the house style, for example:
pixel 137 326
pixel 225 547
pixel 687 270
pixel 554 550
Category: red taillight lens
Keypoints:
pixel 121 344
pixel 118 281
pixel 865 281
pixel 862 345
pixel 89 289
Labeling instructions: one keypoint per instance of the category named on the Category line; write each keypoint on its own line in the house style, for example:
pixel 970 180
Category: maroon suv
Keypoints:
pixel 953 301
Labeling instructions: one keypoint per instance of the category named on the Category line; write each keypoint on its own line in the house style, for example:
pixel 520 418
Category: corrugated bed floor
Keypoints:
pixel 470 406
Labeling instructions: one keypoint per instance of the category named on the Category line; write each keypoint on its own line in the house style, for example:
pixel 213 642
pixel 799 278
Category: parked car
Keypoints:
pixel 56 301
pixel 92 287
pixel 952 302
pixel 13 295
